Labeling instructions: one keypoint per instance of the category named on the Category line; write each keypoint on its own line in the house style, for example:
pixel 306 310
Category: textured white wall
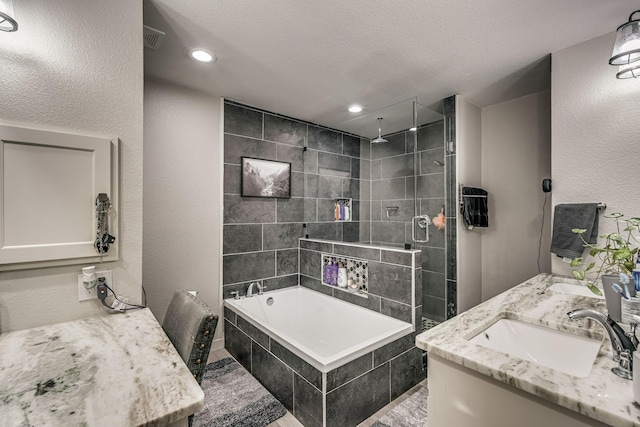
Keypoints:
pixel 182 196
pixel 595 132
pixel 76 65
pixel 469 170
pixel 516 150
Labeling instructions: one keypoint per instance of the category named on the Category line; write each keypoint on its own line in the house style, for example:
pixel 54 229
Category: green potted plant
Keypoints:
pixel 613 255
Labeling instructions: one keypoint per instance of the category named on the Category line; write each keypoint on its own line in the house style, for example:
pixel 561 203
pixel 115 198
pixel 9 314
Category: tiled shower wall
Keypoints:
pixel 392 189
pixel 392 180
pixel 260 234
pixel 431 197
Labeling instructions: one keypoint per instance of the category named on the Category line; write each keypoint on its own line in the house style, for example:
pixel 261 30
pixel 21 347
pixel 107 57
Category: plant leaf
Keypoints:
pixel 578 230
pixel 593 288
pixel 578 274
pixel 634 220
pixel 622 254
pixel 576 262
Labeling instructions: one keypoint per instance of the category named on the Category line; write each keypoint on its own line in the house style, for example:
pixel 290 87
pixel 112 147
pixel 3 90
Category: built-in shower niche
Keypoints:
pixel 344 273
pixel 343 209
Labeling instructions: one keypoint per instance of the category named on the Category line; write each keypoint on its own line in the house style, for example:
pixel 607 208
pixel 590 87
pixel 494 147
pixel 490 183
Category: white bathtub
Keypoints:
pixel 326 332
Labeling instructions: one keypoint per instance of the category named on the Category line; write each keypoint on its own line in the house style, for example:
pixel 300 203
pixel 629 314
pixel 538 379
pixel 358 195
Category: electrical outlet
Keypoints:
pixel 84 295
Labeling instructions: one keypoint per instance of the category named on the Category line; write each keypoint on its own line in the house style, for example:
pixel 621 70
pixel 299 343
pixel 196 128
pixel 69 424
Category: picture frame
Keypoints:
pixel 265 178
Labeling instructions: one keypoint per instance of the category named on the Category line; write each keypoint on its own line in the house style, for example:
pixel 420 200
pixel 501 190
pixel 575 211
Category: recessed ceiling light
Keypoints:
pixel 202 55
pixel 355 108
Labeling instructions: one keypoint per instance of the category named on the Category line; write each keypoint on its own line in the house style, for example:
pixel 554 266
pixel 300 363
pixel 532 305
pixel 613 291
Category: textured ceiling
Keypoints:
pixel 311 59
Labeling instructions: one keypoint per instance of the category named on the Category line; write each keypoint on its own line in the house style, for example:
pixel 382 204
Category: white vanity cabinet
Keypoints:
pixel 475 385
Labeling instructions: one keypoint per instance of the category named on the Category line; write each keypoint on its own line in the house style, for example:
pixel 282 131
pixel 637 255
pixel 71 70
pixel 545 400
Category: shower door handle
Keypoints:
pixel 423 222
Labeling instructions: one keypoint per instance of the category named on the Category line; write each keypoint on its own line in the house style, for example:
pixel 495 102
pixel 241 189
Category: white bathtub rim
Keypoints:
pixel 323 364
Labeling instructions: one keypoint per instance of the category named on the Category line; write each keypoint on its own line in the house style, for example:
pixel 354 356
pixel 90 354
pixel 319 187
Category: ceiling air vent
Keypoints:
pixel 152 37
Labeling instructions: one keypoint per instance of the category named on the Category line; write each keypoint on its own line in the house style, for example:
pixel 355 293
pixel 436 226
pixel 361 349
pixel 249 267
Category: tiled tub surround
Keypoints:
pixel 329 362
pixel 261 235
pixel 602 397
pixel 393 282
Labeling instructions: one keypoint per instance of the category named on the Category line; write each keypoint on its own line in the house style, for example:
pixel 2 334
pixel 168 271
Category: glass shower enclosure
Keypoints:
pixel 390 193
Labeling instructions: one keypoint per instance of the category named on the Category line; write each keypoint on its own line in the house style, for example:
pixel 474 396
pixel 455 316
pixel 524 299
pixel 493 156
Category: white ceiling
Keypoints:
pixel 310 59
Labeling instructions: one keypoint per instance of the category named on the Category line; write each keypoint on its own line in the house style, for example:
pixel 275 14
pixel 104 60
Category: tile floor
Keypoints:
pixel 290 421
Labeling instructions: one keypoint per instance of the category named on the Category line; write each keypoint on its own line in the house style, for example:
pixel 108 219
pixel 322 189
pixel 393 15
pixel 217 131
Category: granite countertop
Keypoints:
pixel 602 395
pixel 114 370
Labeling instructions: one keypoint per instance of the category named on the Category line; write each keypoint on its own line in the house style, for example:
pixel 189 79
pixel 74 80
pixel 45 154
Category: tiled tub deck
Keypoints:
pixel 344 395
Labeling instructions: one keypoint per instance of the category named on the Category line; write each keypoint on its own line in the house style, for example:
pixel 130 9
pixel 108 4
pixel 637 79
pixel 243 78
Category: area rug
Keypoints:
pixel 412 412
pixel 233 398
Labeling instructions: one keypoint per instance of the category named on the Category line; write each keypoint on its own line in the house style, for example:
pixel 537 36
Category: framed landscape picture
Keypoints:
pixel 265 178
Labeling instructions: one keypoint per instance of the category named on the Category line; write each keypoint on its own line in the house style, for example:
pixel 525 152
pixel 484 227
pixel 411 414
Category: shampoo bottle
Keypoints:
pixel 331 273
pixel 342 276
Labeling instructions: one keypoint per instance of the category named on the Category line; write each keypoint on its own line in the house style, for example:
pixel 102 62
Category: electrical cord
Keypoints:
pixel 544 206
pixel 102 295
pixel 144 296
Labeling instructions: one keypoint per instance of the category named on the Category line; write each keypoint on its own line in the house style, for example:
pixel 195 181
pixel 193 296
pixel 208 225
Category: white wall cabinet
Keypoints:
pixel 49 182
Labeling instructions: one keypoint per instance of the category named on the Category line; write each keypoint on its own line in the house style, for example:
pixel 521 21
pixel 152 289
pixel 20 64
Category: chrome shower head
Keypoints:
pixel 439 163
pixel 379 139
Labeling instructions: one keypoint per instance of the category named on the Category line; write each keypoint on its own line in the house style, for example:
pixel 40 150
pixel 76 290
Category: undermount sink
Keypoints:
pixel 562 351
pixel 573 289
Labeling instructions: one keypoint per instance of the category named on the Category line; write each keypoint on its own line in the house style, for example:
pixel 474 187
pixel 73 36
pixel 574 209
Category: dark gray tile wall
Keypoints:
pixel 237 343
pixel 406 370
pixel 355 401
pixel 260 237
pixel 392 196
pixel 308 407
pixel 349 371
pixel 275 375
pixel 301 367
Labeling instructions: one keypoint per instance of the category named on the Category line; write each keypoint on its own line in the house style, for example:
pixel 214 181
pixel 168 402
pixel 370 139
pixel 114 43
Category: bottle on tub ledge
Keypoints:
pixel 342 276
pixel 331 273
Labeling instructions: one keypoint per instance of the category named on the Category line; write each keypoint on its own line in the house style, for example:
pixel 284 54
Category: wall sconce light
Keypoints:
pixel 626 50
pixel 7 20
pixel 629 71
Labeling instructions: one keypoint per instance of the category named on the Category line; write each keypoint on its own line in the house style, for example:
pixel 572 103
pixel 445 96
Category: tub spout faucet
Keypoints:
pixel 250 291
pixel 622 345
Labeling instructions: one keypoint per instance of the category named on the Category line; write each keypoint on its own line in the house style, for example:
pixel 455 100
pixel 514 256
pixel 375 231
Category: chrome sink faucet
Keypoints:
pixel 622 344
